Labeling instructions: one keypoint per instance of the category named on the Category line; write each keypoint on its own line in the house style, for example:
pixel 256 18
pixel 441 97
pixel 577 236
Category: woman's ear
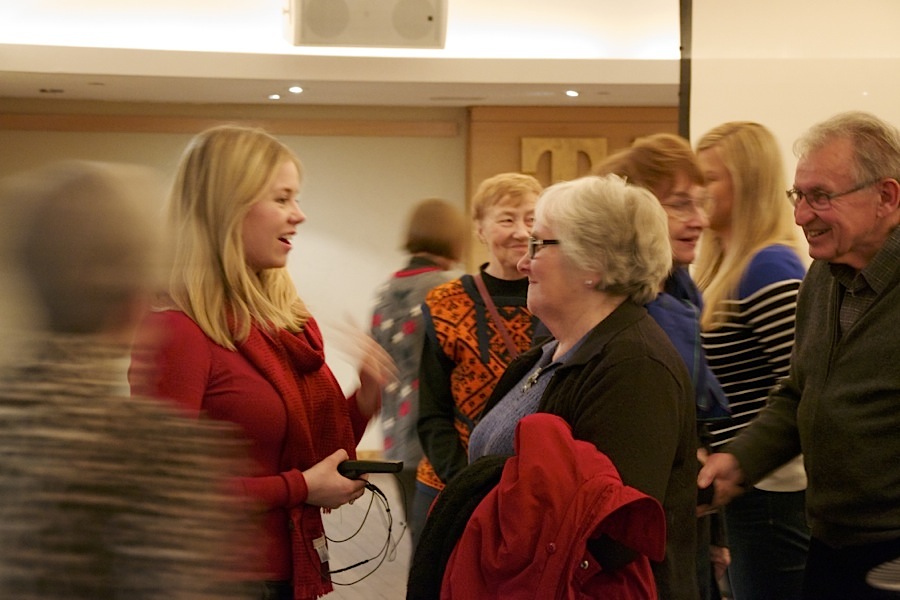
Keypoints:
pixel 479 232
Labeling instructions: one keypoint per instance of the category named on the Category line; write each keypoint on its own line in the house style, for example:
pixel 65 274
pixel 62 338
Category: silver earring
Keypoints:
pixel 589 282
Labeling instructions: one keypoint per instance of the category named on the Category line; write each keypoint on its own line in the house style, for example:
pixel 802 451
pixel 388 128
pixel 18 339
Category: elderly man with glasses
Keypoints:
pixel 840 403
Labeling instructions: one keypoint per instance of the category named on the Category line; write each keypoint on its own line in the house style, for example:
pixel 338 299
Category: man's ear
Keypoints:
pixel 889 202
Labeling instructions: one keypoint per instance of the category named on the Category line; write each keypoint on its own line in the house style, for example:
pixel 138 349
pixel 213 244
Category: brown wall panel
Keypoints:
pixel 496 133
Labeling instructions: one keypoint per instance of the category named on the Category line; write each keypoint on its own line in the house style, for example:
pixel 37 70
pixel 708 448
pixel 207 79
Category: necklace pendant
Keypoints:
pixel 532 379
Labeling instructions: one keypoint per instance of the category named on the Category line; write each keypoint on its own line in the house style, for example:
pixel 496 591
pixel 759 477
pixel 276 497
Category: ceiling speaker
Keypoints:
pixel 378 23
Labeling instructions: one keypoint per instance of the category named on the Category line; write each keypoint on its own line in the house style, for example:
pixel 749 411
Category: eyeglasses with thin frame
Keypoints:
pixel 820 200
pixel 684 207
pixel 534 244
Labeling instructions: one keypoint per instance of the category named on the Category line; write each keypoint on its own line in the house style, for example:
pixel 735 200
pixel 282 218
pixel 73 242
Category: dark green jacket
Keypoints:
pixel 840 405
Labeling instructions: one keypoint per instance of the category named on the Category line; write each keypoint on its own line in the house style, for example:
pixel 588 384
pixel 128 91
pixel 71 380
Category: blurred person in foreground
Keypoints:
pixel 750 272
pixel 434 241
pixel 474 327
pixel 237 344
pixel 840 402
pixel 598 251
pixel 101 495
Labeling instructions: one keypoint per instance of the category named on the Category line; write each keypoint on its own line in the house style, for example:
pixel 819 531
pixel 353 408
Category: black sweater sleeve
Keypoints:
pixel 437 433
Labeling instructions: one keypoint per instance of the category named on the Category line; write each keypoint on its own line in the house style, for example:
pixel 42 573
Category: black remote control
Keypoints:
pixel 352 469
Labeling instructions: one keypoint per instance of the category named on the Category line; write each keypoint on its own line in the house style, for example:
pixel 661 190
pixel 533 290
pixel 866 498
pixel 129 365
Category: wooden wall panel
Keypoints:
pixel 496 133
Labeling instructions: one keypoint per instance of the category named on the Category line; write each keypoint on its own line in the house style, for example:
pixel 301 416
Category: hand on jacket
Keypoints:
pixel 724 472
pixel 328 488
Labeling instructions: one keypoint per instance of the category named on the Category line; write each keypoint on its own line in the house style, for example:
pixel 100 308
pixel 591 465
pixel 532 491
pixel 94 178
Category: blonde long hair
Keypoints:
pixel 222 173
pixel 760 214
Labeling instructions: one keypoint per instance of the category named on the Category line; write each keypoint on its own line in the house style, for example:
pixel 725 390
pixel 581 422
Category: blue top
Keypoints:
pixel 677 312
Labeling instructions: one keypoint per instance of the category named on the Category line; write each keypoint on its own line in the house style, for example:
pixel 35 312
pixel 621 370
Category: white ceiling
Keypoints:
pixel 497 52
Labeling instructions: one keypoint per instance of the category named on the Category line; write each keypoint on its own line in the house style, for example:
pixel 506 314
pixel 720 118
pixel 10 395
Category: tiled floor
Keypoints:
pixel 387 581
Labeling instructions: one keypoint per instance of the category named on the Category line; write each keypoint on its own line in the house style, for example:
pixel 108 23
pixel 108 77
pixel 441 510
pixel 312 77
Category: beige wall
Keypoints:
pixel 497 134
pixel 356 193
pixel 788 65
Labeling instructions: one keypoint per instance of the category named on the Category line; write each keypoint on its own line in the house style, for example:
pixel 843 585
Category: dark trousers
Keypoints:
pixel 706 579
pixel 768 538
pixel 422 500
pixel 840 573
pixel 407 480
pixel 277 590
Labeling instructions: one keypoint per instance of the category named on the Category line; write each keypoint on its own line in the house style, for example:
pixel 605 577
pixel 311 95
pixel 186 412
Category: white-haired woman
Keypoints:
pixel 598 252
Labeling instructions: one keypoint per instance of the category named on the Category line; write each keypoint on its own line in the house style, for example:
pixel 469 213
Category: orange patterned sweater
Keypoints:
pixel 463 358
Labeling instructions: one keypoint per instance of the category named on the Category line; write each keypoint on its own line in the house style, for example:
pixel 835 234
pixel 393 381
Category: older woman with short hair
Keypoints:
pixel 475 325
pixel 598 252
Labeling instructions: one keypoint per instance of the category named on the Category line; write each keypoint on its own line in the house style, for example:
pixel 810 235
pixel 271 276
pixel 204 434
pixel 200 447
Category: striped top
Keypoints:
pixel 750 347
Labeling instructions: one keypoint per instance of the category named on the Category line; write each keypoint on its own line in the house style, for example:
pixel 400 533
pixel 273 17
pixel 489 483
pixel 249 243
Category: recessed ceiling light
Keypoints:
pixel 274 96
pixel 295 89
pixel 571 93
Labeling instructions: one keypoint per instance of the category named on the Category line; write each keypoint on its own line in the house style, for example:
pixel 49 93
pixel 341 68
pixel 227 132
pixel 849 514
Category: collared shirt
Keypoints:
pixel 858 290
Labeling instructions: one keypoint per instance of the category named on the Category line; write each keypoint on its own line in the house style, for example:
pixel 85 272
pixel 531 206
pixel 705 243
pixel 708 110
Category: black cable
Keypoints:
pixel 389 546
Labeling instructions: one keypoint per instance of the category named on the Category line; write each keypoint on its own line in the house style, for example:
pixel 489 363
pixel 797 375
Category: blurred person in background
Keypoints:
pixel 101 495
pixel 237 344
pixel 474 327
pixel 665 164
pixel 750 272
pixel 434 241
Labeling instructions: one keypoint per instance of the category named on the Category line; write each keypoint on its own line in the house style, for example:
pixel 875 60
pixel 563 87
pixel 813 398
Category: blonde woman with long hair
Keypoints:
pixel 749 270
pixel 237 344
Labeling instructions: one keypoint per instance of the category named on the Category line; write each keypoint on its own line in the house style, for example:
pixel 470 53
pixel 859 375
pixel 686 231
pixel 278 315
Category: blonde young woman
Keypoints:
pixel 749 271
pixel 237 344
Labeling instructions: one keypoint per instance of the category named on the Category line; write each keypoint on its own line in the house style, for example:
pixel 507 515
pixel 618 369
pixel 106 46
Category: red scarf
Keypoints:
pixel 318 424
